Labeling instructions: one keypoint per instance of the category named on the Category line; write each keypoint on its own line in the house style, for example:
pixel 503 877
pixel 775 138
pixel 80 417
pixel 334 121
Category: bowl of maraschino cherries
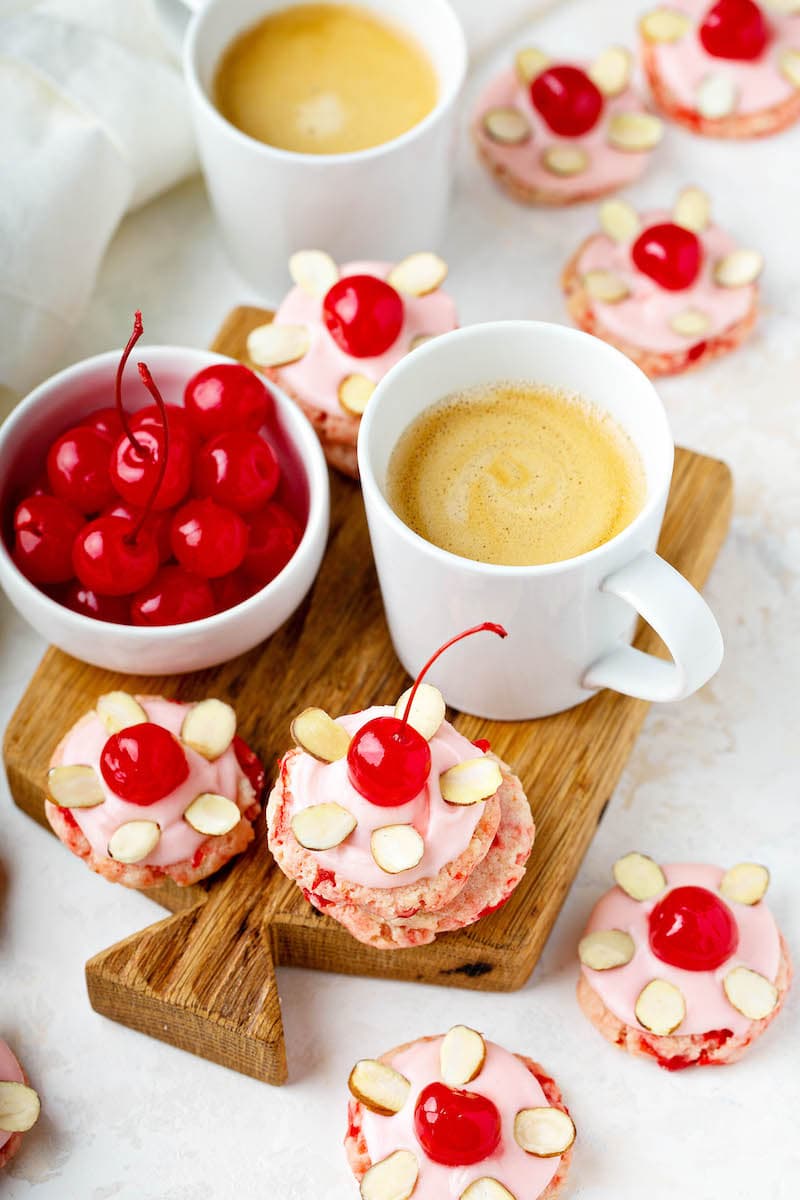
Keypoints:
pixel 162 515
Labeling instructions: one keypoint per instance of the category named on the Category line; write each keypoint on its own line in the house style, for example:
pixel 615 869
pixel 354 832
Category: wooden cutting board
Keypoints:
pixel 203 979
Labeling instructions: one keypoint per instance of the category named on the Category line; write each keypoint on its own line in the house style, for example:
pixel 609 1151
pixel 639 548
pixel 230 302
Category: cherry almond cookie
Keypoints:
pixel 683 963
pixel 19 1104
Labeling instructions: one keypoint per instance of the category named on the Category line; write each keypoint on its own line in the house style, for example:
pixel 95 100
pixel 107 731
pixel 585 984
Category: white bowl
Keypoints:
pixel 72 394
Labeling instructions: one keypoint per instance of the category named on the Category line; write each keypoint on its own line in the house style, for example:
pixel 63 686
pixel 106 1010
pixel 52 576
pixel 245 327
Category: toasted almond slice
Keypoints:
pixel 738 268
pixel 396 848
pixel 605 949
pixel 612 70
pixel 690 322
pixel 545 1132
pixel 605 286
pixel 393 1178
pixel 119 710
pixel 565 160
pixel 462 1056
pixel 319 735
pixel 323 826
pixel 354 393
pixel 471 781
pixel 751 994
pixel 530 62
pixel 783 6
pixel 638 876
pixel 378 1086
pixel 508 126
pixel 421 339
pixel 314 271
pixel 75 786
pixel 212 814
pixel 19 1107
pixel 692 209
pixel 277 345
pixel 789 63
pixel 133 841
pixel 427 711
pixel 486 1188
pixel 660 1007
pixel 619 220
pixel 209 728
pixel 664 25
pixel 746 883
pixel 716 96
pixel 419 274
pixel 635 131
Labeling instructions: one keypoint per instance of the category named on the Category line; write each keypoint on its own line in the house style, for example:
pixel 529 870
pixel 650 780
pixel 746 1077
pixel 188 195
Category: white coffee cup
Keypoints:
pixel 570 623
pixel 384 202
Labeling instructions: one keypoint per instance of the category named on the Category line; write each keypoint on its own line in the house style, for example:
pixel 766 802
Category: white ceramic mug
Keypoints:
pixel 384 202
pixel 570 623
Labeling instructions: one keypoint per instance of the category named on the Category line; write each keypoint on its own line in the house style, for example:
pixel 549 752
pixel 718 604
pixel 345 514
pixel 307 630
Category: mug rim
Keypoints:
pixel 658 492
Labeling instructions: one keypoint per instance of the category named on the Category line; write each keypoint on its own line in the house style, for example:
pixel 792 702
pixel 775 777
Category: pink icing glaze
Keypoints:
pixel 446 828
pixel 508 1083
pixel 608 169
pixel 682 65
pixel 707 1006
pixel 315 378
pixel 84 744
pixel 643 317
pixel 10 1072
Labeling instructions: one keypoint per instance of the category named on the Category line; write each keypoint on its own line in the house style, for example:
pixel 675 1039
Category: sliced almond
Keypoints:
pixel 378 1087
pixel 746 883
pixel 783 6
pixel 314 271
pixel 323 826
pixel 419 274
pixel 692 210
pixel 209 728
pixel 530 62
pixel 739 268
pixel 660 1007
pixel 605 949
pixel 508 126
pixel 75 786
pixel 133 841
pixel 486 1188
pixel 277 345
pixel 421 339
pixel 471 781
pixel 611 71
pixel 716 96
pixel 565 160
pixel 427 711
pixel 690 322
pixel 354 393
pixel 212 814
pixel 619 220
pixel 605 286
pixel 634 131
pixel 319 735
pixel 789 63
pixel 750 993
pixel 638 876
pixel 119 710
pixel 19 1107
pixel 462 1056
pixel 396 848
pixel 546 1132
pixel 664 25
pixel 393 1178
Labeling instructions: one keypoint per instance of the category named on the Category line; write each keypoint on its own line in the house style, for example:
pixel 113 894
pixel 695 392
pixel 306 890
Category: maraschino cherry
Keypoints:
pixel 173 597
pixel 157 524
pixel 454 1127
pixel 669 254
pixel 106 422
pixel 274 537
pixel 568 100
pixel 735 29
pixel 44 529
pixel 363 315
pixel 226 396
pixel 77 467
pixel 143 763
pixel 113 557
pixel 238 469
pixel 208 539
pixel 178 421
pixel 113 609
pixel 388 761
pixel 693 929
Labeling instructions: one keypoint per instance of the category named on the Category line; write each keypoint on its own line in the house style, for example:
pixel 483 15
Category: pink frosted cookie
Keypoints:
pixel 671 290
pixel 457 1118
pixel 338 332
pixel 145 788
pixel 729 69
pixel 558 133
pixel 683 963
pixel 19 1104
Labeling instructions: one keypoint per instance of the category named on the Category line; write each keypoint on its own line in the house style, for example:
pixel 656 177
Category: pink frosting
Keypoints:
pixel 684 64
pixel 315 378
pixel 608 168
pixel 445 828
pixel 10 1072
pixel 707 1006
pixel 504 1080
pixel 84 744
pixel 643 317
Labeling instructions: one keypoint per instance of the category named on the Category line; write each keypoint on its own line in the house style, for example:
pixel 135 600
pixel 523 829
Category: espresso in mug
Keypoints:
pixel 515 474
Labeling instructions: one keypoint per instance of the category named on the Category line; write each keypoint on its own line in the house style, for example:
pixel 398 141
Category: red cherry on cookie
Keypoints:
pixel 274 537
pixel 112 558
pixel 173 597
pixel 44 529
pixel 143 763
pixel 226 396
pixel 568 100
pixel 363 314
pixel 454 1127
pixel 669 254
pixel 238 469
pixel 77 468
pixel 693 929
pixel 114 609
pixel 388 762
pixel 734 29
pixel 135 471
pixel 106 422
pixel 208 539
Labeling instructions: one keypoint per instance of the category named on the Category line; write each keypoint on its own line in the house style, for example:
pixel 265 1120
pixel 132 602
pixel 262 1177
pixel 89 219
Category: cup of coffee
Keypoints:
pixel 518 472
pixel 322 125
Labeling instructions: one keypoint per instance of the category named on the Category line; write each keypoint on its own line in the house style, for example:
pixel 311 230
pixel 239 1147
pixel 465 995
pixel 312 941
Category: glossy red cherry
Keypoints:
pixel 208 539
pixel 177 419
pixel 456 1128
pixel 77 468
pixel 106 422
pixel 114 609
pixel 226 396
pixel 44 529
pixel 143 763
pixel 238 469
pixel 363 314
pixel 157 524
pixel 669 254
pixel 274 537
pixel 482 744
pixel 568 100
pixel 693 929
pixel 112 558
pixel 233 589
pixel 251 764
pixel 134 470
pixel 173 597
pixel 735 29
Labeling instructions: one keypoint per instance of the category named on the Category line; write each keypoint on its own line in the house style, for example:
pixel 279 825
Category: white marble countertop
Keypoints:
pixel 714 778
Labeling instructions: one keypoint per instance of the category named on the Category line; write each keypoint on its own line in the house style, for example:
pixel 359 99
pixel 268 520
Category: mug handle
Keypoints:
pixel 683 621
pixel 174 17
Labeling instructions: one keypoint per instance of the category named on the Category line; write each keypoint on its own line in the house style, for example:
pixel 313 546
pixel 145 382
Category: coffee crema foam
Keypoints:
pixel 515 474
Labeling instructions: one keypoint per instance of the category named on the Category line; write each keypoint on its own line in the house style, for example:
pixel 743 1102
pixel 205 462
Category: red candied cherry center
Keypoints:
pixel 363 314
pixel 735 29
pixel 456 1128
pixel 143 763
pixel 226 396
pixel 669 254
pixel 693 929
pixel 568 100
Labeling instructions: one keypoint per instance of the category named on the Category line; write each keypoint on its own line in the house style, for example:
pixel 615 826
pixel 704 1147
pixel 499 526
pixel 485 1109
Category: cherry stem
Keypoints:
pixel 138 330
pixel 149 383
pixel 487 627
